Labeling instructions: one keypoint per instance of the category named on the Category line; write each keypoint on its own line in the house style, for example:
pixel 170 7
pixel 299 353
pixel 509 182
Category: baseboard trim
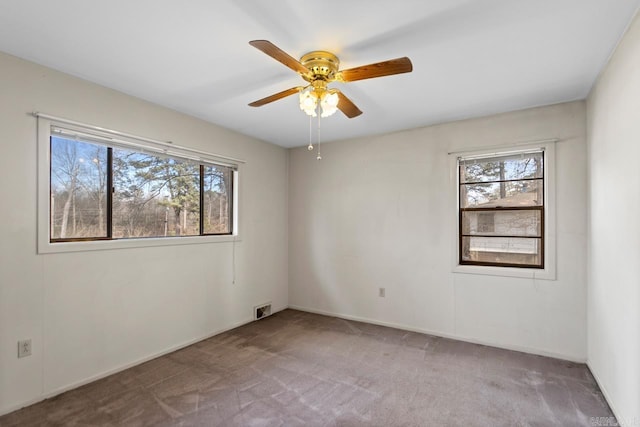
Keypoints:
pixel 606 395
pixel 522 349
pixel 121 368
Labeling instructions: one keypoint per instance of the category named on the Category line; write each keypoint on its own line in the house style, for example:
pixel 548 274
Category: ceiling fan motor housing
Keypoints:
pixel 321 64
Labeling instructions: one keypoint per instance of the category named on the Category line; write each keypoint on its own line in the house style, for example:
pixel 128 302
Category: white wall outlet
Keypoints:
pixel 24 348
pixel 381 292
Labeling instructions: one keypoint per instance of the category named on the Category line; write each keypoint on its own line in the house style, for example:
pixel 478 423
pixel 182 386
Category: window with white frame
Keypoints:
pixel 106 187
pixel 501 209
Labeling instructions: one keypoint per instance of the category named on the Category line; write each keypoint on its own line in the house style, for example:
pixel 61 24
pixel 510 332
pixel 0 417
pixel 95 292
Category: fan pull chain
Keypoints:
pixel 319 156
pixel 310 147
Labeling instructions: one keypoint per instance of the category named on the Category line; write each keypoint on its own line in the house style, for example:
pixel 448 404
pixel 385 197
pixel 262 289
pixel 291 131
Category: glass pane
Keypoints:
pixel 502 194
pixel 507 250
pixel 78 205
pixel 502 223
pixel 218 196
pixel 513 166
pixel 154 196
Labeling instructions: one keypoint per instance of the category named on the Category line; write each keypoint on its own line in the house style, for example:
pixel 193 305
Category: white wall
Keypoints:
pixel 613 117
pixel 377 212
pixel 93 312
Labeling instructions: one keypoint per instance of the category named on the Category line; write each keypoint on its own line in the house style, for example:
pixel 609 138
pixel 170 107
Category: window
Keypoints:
pixel 78 205
pixel 502 210
pixel 115 189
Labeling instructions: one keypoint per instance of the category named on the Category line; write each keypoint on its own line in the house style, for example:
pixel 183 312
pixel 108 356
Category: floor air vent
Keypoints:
pixel 261 311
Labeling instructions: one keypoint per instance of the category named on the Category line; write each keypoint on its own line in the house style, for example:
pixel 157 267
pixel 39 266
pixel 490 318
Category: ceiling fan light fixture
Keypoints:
pixel 309 101
pixel 329 103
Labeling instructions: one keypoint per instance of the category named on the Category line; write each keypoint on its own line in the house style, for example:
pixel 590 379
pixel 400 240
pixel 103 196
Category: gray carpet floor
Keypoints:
pixel 301 369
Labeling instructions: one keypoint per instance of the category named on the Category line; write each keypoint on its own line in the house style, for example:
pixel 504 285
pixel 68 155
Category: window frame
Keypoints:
pixel 47 245
pixel 548 231
pixel 480 210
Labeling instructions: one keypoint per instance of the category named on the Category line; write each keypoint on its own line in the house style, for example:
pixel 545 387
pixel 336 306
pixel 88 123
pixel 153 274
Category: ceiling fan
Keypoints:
pixel 320 68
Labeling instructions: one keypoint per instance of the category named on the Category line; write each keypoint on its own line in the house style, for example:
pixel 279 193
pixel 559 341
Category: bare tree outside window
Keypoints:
pixel 102 192
pixel 78 190
pixel 154 196
pixel 218 196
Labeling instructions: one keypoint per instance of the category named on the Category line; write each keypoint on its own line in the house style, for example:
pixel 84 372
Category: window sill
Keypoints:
pixel 526 273
pixel 103 245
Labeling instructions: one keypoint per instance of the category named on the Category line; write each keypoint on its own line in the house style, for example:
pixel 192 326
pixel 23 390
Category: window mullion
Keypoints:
pixel 109 193
pixel 498 181
pixel 231 209
pixel 201 199
pixel 505 208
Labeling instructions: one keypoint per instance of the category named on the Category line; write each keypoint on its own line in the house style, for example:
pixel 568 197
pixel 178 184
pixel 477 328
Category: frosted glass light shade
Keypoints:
pixel 329 103
pixel 308 102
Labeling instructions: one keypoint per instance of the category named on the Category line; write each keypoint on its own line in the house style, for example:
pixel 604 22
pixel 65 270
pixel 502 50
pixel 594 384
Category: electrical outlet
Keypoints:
pixel 24 348
pixel 381 292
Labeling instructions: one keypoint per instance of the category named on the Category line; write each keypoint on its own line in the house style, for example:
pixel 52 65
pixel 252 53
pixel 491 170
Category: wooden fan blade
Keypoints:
pixel 279 55
pixel 347 106
pixel 275 97
pixel 379 69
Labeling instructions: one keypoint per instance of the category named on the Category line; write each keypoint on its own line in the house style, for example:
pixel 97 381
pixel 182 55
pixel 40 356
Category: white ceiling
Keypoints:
pixel 470 57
